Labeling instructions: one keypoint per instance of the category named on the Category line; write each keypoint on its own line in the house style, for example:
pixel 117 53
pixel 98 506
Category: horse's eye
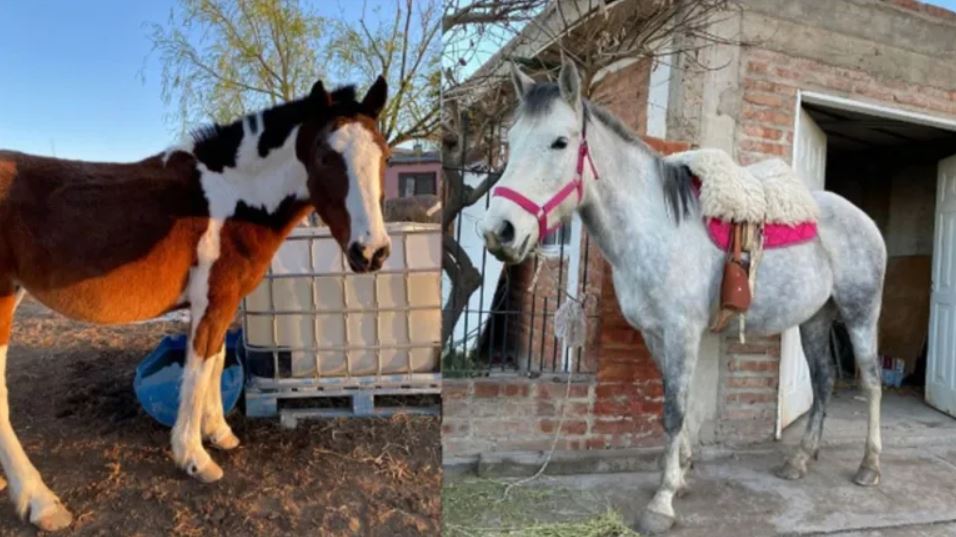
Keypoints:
pixel 560 143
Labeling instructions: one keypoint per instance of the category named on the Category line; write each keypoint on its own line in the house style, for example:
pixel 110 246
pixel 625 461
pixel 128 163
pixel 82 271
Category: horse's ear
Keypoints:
pixel 521 81
pixel 374 100
pixel 569 83
pixel 319 96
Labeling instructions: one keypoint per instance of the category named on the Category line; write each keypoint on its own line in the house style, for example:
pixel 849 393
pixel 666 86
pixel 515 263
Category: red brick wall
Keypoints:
pixel 770 81
pixel 521 414
pixel 534 326
pixel 747 409
pixel 624 92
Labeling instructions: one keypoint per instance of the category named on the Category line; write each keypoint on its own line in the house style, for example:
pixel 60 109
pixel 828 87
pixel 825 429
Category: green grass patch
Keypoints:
pixel 458 364
pixel 479 508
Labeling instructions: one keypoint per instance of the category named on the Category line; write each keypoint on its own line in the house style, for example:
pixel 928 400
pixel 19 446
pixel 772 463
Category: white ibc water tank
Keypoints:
pixel 329 322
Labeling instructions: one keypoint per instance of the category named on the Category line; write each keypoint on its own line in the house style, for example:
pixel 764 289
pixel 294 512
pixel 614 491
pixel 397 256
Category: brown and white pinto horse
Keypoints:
pixel 193 227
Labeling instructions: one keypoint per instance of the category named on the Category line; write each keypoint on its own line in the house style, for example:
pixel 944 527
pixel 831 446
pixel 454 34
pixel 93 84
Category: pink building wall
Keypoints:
pixel 392 172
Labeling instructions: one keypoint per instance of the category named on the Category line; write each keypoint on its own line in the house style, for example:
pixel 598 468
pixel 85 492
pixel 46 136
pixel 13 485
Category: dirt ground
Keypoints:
pixel 73 407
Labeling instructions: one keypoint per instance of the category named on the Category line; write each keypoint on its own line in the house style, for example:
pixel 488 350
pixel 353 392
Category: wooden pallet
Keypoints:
pixel 364 396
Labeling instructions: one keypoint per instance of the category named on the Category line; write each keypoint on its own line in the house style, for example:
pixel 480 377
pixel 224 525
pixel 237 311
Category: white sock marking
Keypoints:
pixel 874 442
pixel 214 424
pixel 26 486
pixel 671 479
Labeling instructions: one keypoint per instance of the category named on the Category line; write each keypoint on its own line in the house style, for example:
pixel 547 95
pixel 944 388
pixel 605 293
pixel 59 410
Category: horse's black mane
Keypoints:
pixel 216 145
pixel 676 180
pixel 679 193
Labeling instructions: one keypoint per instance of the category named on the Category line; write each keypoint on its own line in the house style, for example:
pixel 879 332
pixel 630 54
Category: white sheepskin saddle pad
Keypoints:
pixel 768 191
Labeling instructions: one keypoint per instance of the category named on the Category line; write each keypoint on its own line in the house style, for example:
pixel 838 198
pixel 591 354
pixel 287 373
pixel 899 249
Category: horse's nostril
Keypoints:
pixel 382 253
pixel 507 233
pixel 357 255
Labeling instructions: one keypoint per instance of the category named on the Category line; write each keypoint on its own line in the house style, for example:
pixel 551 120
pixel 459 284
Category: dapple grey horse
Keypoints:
pixel 644 216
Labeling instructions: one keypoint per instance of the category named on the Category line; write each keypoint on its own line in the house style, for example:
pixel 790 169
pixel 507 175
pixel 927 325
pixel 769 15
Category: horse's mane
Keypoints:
pixel 676 180
pixel 218 141
pixel 343 102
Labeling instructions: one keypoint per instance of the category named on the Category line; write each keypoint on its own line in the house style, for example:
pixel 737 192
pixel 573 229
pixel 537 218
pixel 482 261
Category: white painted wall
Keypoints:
pixel 473 244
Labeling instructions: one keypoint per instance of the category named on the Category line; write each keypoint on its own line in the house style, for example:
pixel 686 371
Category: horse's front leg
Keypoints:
pixel 214 427
pixel 31 496
pixel 210 320
pixel 676 357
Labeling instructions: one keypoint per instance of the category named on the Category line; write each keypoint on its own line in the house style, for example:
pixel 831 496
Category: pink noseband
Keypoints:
pixel 541 212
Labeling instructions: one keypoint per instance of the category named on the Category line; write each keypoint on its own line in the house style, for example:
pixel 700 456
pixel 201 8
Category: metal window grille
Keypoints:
pixel 505 326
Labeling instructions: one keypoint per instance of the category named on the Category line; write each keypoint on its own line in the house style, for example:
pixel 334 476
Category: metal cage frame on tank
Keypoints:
pixel 352 376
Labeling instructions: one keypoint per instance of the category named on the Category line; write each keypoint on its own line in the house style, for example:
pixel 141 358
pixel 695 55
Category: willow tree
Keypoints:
pixel 223 58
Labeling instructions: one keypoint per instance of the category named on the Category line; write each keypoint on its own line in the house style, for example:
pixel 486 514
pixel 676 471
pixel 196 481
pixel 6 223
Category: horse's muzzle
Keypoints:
pixel 504 252
pixel 360 263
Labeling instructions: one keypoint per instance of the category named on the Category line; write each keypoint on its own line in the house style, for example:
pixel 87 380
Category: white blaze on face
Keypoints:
pixel 363 160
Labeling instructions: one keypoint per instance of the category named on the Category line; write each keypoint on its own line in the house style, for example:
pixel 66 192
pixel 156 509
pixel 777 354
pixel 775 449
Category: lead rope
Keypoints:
pixel 570 326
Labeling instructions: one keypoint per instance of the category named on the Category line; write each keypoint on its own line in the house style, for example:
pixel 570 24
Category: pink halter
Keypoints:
pixel 577 184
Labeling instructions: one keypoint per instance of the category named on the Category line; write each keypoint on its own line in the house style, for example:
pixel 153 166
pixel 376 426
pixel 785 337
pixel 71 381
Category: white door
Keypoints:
pixel 795 392
pixel 941 358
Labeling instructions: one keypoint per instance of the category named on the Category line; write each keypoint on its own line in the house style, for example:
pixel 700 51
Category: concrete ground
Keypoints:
pixel 738 495
pixel 907 421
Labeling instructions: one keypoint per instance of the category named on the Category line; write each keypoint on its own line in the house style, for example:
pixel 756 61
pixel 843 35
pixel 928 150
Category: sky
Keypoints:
pixel 77 79
pixel 948 4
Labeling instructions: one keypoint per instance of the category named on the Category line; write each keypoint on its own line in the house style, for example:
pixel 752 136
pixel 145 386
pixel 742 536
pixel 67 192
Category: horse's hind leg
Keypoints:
pixel 814 334
pixel 859 306
pixel 29 493
pixel 863 335
pixel 214 426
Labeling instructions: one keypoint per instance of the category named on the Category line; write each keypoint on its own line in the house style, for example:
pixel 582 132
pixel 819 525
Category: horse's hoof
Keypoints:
pixel 652 523
pixel 208 474
pixel 791 470
pixel 225 442
pixel 54 518
pixel 867 477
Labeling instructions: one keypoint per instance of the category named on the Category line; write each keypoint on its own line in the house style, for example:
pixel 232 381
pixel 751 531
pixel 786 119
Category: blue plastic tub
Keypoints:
pixel 893 377
pixel 157 378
